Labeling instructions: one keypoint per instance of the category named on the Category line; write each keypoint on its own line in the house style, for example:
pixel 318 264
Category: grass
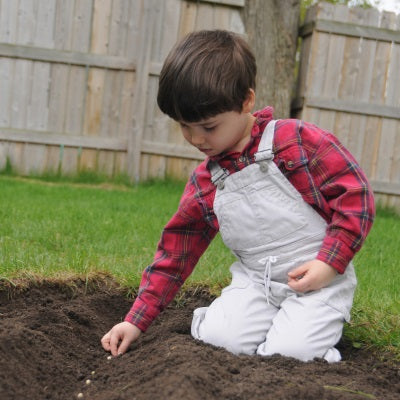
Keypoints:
pixel 61 229
pixel 376 311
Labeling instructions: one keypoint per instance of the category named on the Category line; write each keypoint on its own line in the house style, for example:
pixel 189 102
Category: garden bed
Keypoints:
pixel 50 349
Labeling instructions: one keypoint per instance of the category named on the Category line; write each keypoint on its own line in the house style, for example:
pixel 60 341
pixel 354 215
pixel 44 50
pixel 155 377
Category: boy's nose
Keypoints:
pixel 197 138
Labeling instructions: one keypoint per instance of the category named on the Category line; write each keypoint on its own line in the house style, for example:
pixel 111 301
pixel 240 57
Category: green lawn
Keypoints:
pixel 57 230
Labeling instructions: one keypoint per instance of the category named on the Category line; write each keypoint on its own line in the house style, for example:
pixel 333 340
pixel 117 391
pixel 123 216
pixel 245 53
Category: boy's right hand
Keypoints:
pixel 118 339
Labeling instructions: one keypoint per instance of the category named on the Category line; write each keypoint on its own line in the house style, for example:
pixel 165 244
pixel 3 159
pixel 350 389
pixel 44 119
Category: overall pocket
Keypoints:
pixel 339 294
pixel 258 216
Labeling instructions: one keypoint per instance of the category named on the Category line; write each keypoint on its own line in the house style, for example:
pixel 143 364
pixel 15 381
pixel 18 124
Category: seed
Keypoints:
pixel 109 358
pixel 88 381
pixel 93 372
pixel 80 396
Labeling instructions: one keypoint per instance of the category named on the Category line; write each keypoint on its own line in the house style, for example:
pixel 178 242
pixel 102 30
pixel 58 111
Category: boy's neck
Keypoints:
pixel 247 135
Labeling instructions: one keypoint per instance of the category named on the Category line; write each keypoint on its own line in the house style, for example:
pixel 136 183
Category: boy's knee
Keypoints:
pixel 218 334
pixel 300 349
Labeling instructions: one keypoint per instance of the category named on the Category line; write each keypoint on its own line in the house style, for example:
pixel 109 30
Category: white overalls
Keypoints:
pixel 271 230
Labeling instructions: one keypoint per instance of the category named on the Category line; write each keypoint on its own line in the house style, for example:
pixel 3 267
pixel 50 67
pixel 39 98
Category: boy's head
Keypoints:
pixel 205 74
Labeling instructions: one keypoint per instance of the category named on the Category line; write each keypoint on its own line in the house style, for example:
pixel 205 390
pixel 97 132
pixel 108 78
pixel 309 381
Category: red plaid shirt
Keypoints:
pixel 317 165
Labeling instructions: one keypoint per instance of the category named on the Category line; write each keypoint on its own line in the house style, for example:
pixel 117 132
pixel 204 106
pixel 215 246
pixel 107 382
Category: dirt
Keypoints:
pixel 50 346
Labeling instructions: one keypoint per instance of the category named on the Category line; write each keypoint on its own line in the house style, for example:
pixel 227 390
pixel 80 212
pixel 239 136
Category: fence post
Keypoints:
pixel 140 94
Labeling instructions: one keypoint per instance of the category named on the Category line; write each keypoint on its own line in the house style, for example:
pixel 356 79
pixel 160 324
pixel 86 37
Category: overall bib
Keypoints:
pixel 271 230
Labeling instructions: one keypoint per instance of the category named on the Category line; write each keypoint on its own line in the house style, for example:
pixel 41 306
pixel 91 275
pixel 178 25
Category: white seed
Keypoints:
pixel 88 381
pixel 80 396
pixel 109 358
pixel 93 372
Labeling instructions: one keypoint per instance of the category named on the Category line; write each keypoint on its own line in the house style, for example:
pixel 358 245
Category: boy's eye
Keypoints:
pixel 209 128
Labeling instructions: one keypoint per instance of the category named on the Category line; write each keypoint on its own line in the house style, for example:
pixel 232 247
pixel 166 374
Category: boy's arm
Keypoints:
pixel 183 241
pixel 347 199
pixel 181 245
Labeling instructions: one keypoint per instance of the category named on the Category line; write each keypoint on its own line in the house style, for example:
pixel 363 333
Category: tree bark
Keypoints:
pixel 272 31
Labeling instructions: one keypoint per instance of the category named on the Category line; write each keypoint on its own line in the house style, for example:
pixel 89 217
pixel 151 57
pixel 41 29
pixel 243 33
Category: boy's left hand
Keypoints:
pixel 312 275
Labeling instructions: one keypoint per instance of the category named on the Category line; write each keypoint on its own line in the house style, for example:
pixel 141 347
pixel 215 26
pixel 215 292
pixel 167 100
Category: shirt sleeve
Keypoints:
pixel 346 196
pixel 184 239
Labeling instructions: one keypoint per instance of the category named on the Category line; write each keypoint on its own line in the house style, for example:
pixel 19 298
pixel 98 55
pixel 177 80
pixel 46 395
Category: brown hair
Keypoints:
pixel 205 74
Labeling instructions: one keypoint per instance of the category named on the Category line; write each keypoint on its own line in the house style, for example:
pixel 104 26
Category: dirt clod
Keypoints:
pixel 50 346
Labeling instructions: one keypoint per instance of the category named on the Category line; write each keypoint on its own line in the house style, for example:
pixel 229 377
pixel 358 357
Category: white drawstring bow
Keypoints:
pixel 268 261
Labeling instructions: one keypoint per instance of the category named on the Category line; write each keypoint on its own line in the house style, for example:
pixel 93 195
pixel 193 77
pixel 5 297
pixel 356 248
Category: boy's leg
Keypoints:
pixel 304 328
pixel 238 320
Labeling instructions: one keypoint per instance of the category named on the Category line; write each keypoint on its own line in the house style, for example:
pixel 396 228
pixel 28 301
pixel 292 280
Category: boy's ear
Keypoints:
pixel 249 101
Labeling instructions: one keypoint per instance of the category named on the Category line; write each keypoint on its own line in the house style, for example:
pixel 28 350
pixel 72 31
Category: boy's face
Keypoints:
pixel 225 132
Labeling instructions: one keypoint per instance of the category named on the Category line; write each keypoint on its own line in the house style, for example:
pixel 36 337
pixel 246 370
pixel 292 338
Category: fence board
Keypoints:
pixel 105 162
pixel 37 112
pixel 51 138
pixel 62 25
pixel 69 162
pixel 156 127
pixel 79 78
pixel 52 159
pixel 172 14
pixel 66 57
pixel 362 86
pixel 361 106
pixel 3 154
pixel 82 26
pixel 187 22
pixel 21 88
pixel 318 64
pixel 132 44
pixel 34 156
pixel 77 82
pixel 332 70
pixel 204 16
pixel 126 105
pixel 386 155
pixel 58 98
pixel 118 22
pixel 8 18
pixel 110 115
pixel 26 21
pixel 6 73
pixel 144 59
pixel 45 19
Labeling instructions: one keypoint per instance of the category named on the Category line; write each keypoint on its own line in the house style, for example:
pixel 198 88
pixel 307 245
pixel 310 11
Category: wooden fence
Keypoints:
pixel 78 82
pixel 349 83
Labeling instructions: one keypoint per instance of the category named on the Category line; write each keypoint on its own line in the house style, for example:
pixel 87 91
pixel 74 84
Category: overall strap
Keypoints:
pixel 264 151
pixel 218 174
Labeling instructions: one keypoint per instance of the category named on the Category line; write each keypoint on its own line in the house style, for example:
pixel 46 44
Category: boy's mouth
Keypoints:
pixel 205 151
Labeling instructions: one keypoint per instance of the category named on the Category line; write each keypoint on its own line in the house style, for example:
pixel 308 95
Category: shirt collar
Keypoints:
pixel 262 118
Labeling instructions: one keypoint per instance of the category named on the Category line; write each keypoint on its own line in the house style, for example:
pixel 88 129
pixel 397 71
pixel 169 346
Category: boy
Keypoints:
pixel 289 201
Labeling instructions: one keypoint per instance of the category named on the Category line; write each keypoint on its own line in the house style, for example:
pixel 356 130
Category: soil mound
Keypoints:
pixel 50 347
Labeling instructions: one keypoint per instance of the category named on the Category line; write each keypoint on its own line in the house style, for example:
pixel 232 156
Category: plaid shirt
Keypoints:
pixel 314 162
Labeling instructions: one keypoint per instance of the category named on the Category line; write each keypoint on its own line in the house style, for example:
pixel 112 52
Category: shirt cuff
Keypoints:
pixel 141 315
pixel 335 253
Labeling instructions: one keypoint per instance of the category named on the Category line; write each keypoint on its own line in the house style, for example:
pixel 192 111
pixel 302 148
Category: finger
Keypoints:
pixel 123 347
pixel 301 270
pixel 114 344
pixel 299 285
pixel 105 341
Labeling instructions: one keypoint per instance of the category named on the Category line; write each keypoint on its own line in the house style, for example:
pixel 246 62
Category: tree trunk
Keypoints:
pixel 272 30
